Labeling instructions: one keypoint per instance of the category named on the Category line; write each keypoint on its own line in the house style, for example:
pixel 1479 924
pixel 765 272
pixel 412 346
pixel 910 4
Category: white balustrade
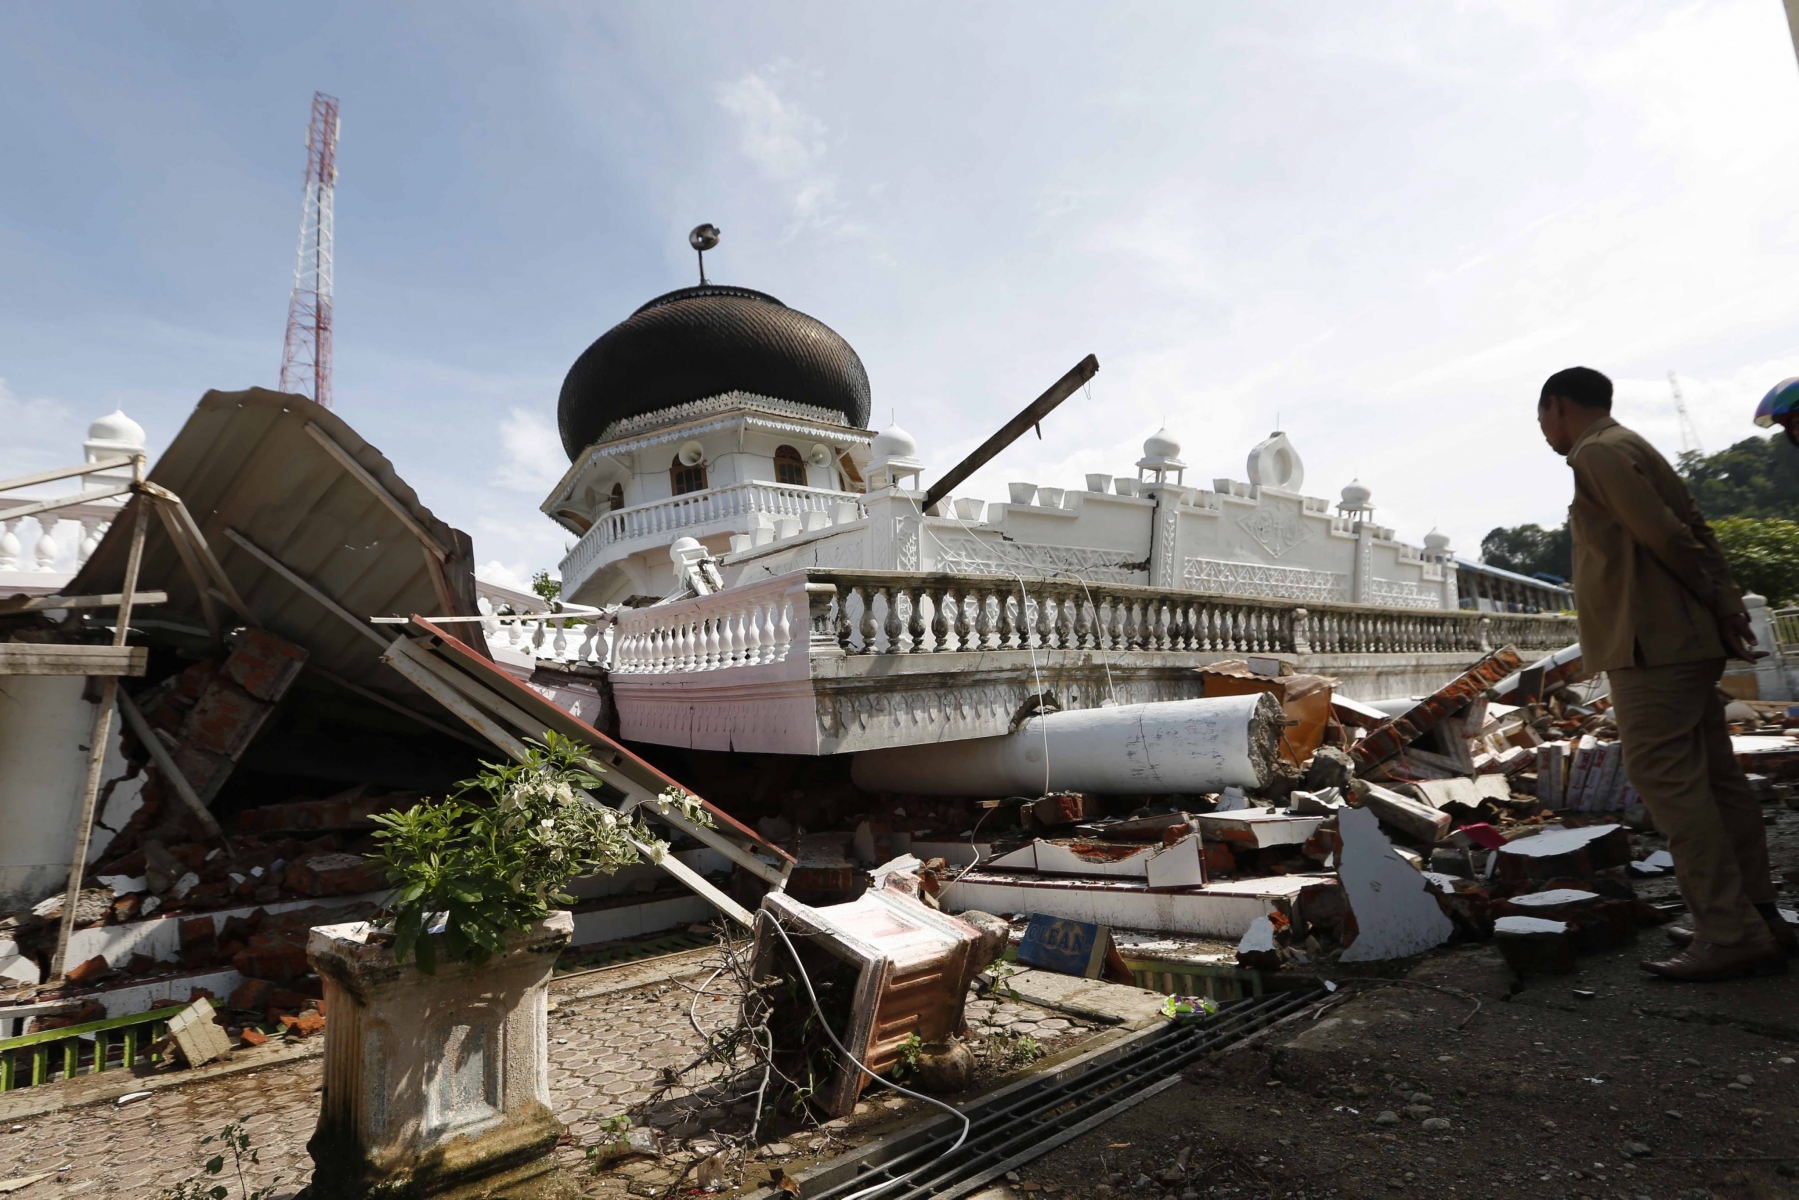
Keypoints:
pixel 742 627
pixel 47 548
pixel 873 612
pixel 734 503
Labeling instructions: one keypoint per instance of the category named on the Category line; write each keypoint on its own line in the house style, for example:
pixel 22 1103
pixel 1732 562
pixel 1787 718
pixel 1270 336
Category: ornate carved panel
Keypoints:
pixel 1277 526
pixel 1259 579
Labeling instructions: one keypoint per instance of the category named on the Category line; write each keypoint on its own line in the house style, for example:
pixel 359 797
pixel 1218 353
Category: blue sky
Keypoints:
pixel 1381 225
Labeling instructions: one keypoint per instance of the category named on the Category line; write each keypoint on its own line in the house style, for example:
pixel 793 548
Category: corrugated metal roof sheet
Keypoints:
pixel 245 461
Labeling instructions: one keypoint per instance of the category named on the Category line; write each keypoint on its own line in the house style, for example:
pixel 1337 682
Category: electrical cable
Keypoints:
pixel 967 1125
pixel 1024 637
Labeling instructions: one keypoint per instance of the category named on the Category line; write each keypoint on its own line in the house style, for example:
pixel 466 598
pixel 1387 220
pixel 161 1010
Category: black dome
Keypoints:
pixel 703 341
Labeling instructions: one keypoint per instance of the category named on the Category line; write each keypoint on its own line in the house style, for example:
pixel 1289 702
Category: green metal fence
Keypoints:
pixel 119 1043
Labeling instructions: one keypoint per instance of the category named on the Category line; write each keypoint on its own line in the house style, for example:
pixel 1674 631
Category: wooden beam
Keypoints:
pixel 105 464
pixel 428 683
pixel 361 475
pixel 33 658
pixel 23 604
pixel 42 506
pixel 375 697
pixel 203 548
pixel 405 658
pixel 165 763
pixel 96 753
pixel 288 573
pixel 506 711
pixel 196 571
pixel 1033 412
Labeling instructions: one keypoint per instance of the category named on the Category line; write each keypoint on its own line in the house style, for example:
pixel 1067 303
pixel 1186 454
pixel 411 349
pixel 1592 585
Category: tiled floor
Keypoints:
pixel 606 1054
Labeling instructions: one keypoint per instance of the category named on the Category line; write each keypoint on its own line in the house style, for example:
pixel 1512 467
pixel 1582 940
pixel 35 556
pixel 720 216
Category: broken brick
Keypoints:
pixel 90 970
pixel 335 875
pixel 304 1025
pixel 277 961
pixel 252 995
pixel 254 1037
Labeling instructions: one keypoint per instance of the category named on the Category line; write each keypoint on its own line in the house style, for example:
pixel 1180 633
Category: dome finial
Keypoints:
pixel 702 239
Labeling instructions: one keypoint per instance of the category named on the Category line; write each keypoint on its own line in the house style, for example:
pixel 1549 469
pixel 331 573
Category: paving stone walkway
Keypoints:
pixel 607 1053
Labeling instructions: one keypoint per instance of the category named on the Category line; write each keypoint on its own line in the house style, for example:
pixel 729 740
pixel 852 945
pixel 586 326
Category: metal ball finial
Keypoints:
pixel 702 239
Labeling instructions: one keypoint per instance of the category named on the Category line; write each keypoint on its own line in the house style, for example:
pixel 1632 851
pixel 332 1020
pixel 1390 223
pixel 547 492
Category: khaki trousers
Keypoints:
pixel 1677 755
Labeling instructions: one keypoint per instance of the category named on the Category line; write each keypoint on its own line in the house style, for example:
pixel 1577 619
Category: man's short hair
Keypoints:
pixel 1580 385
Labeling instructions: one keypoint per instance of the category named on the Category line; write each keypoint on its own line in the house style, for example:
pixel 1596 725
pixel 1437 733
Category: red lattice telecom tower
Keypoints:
pixel 306 356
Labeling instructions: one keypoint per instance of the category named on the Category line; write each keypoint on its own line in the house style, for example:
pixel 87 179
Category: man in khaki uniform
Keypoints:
pixel 1658 614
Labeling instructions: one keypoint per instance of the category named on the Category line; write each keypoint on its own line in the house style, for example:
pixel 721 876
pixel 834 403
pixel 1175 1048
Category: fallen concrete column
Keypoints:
pixel 1189 746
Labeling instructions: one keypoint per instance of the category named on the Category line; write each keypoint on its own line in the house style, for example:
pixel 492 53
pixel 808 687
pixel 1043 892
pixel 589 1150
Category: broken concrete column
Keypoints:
pixel 1185 746
pixel 436 1085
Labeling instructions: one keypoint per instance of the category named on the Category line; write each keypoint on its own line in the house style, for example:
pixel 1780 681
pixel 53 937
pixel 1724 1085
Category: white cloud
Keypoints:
pixel 497 572
pixel 531 453
pixel 785 142
pixel 40 433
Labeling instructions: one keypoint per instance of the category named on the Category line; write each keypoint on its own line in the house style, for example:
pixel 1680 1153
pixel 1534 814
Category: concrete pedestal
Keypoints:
pixel 436 1085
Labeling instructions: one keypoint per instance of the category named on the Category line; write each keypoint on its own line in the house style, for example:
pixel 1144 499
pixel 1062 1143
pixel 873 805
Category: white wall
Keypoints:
pixel 45 729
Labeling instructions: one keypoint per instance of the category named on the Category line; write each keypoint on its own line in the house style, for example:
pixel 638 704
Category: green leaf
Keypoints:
pixel 215 1164
pixel 427 955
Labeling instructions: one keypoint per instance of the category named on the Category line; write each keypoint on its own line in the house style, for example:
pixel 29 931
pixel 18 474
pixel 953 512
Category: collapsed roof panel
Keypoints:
pixel 277 474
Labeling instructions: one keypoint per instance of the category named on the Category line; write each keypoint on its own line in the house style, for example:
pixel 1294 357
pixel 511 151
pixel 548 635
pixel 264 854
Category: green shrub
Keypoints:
pixel 1763 554
pixel 499 852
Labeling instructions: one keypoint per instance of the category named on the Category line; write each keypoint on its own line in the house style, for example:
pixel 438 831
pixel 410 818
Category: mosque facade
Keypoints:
pixel 721 415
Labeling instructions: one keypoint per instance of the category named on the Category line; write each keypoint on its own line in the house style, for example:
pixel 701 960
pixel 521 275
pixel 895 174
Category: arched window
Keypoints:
pixel 618 496
pixel 685 479
pixel 789 466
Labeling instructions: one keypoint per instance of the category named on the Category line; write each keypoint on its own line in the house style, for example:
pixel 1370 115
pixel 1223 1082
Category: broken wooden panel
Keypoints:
pixel 910 966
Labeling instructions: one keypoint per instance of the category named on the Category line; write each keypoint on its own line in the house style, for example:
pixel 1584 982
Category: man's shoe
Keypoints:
pixel 1706 962
pixel 1780 928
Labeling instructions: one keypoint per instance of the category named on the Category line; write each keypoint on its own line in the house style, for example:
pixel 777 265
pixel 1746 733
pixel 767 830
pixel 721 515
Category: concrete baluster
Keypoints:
pixel 45 551
pixel 783 630
pixel 940 621
pixel 869 628
pixel 9 544
pixel 845 630
pixel 91 529
pixel 915 624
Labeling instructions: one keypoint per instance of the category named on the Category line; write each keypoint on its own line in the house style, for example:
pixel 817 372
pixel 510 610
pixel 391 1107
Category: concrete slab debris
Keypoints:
pixel 1395 914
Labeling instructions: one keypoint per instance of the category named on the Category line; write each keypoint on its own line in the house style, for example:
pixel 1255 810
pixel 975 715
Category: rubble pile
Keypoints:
pixel 1502 796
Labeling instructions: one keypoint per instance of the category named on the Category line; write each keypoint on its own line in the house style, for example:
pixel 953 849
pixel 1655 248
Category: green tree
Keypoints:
pixel 1763 555
pixel 1757 477
pixel 544 586
pixel 1529 550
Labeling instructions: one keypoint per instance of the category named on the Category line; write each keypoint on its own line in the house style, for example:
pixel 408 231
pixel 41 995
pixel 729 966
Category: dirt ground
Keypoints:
pixel 1607 1083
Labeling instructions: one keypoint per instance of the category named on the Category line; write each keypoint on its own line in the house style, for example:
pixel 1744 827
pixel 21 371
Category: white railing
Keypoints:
pixel 682 513
pixel 523 622
pixel 93 518
pixel 761 623
pixel 889 613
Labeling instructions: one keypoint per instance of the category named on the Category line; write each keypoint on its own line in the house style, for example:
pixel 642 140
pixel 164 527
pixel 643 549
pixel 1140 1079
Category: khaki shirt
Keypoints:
pixel 1649 578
